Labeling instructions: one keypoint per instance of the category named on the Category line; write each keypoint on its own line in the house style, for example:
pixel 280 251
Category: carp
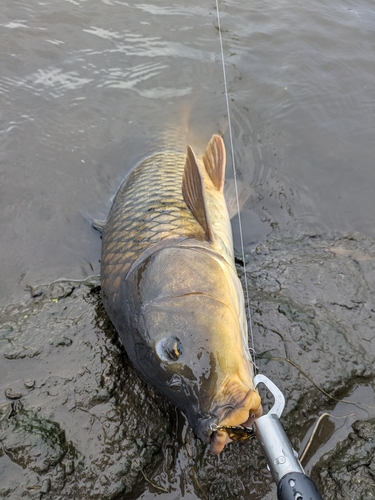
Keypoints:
pixel 170 288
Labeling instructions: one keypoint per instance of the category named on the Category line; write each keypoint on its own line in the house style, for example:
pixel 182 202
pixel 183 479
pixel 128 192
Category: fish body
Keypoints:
pixel 170 287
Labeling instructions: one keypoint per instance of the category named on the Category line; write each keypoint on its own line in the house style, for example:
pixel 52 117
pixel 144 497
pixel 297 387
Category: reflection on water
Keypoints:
pixel 87 92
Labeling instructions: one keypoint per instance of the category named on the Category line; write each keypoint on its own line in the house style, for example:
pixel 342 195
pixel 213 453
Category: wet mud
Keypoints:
pixel 349 470
pixel 76 421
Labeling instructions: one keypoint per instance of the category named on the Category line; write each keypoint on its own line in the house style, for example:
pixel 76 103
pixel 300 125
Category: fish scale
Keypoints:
pixel 148 207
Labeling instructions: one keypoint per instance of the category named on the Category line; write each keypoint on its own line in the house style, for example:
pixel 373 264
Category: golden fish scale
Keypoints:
pixel 148 208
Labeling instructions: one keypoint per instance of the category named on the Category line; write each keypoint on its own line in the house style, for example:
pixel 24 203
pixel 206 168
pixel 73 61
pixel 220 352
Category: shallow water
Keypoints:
pixel 89 88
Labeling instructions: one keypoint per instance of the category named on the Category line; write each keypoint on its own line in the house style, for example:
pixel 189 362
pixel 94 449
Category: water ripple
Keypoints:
pixel 15 24
pixel 135 44
pixel 175 10
pixel 118 78
pixel 59 80
pixel 103 33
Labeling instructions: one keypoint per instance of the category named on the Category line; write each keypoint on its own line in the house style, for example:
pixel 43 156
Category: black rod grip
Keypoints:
pixel 297 486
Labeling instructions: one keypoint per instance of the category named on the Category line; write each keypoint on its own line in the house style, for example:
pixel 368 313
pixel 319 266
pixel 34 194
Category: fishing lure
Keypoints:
pixel 236 433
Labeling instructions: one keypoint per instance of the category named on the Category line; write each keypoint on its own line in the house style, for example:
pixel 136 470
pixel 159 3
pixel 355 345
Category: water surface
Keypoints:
pixel 88 88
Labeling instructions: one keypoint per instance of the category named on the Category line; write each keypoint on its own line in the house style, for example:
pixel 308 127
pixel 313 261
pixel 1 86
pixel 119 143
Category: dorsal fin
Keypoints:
pixel 214 161
pixel 194 193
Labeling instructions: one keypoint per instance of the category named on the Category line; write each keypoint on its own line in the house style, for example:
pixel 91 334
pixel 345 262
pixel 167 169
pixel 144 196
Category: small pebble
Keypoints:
pixel 11 394
pixel 29 383
pixel 63 341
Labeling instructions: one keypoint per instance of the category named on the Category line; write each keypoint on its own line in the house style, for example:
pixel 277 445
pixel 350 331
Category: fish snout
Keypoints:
pixel 242 414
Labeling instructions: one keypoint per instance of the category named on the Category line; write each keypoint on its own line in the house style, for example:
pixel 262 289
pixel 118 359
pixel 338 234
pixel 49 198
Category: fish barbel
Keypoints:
pixel 170 287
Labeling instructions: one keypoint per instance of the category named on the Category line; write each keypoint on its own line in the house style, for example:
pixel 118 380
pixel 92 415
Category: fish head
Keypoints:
pixel 191 340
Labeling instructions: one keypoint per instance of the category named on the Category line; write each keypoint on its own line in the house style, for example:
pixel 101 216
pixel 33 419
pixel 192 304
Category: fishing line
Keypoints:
pixel 235 182
pixel 286 469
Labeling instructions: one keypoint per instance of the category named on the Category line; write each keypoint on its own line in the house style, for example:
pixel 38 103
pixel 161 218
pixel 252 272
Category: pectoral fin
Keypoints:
pixel 194 193
pixel 214 161
pixel 98 225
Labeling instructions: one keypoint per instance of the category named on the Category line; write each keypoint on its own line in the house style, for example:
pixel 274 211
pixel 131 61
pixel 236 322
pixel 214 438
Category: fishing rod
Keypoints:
pixel 291 480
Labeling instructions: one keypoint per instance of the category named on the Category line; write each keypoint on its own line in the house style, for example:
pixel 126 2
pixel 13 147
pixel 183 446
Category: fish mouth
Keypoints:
pixel 243 414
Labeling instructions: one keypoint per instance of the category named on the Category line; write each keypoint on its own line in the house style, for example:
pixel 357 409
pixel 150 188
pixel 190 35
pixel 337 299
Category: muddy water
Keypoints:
pixel 89 88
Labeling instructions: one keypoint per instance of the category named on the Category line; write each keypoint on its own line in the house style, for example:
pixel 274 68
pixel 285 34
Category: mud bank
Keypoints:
pixel 349 470
pixel 77 422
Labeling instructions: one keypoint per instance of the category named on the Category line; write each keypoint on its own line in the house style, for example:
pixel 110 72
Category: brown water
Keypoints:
pixel 87 88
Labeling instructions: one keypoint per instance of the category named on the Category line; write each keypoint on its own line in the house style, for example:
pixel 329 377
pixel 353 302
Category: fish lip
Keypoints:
pixel 228 415
pixel 205 428
pixel 207 425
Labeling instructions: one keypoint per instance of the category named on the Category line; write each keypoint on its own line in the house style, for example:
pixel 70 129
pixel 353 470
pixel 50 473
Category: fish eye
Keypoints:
pixel 169 349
